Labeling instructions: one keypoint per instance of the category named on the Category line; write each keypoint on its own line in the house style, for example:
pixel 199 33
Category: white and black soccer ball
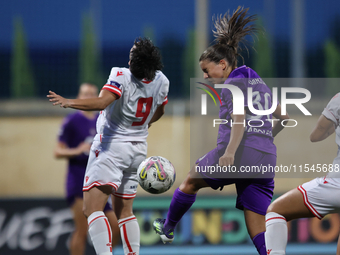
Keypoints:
pixel 156 174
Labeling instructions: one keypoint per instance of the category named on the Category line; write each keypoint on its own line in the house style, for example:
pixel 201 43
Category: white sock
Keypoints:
pixel 276 235
pixel 129 231
pixel 100 232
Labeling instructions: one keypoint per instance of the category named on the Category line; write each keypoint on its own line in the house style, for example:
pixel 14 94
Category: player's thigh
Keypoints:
pixel 198 177
pixel 122 199
pixel 128 186
pixel 122 207
pixel 95 199
pixel 79 219
pixel 290 205
pixel 137 151
pixel 126 192
pixel 104 165
pixel 321 196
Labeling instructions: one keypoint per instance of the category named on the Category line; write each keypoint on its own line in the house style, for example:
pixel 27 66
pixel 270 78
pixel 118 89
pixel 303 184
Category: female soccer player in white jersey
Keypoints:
pixel 74 145
pixel 316 198
pixel 129 102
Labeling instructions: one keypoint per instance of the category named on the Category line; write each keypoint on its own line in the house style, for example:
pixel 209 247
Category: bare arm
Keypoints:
pixel 338 247
pixel 90 104
pixel 158 114
pixel 62 151
pixel 236 136
pixel 324 128
pixel 277 126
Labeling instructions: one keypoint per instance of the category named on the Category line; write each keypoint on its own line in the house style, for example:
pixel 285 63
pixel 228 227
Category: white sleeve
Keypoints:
pixel 163 98
pixel 332 110
pixel 116 81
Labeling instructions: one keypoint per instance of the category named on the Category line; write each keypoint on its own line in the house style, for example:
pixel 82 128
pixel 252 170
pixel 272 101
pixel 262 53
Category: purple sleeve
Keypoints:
pixel 65 131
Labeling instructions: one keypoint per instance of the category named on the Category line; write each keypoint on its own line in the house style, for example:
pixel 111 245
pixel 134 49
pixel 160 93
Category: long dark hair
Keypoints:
pixel 145 59
pixel 229 32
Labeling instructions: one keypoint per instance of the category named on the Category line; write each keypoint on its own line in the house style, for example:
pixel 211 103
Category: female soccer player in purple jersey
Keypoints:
pixel 236 145
pixel 316 198
pixel 75 139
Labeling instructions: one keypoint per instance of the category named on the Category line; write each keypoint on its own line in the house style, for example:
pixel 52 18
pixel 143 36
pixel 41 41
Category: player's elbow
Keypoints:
pixel 57 155
pixel 101 104
pixel 162 111
pixel 313 138
pixel 105 99
pixel 59 152
pixel 283 120
pixel 101 107
pixel 285 117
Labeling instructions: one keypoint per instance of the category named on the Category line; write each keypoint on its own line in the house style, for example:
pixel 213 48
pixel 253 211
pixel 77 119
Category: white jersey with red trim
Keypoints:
pixel 127 118
pixel 332 112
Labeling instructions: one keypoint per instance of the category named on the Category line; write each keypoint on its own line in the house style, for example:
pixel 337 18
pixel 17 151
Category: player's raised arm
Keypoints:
pixel 90 104
pixel 62 151
pixel 338 247
pixel 236 136
pixel 328 120
pixel 324 128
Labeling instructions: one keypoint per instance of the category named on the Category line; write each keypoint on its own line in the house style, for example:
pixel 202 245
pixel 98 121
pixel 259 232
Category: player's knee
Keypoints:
pixel 190 185
pixel 122 214
pixel 271 208
pixel 123 207
pixel 80 234
pixel 86 211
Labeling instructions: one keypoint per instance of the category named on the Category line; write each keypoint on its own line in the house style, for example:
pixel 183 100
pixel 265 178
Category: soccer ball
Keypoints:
pixel 156 174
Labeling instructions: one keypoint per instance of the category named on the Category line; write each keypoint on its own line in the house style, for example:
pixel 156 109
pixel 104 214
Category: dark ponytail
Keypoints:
pixel 229 33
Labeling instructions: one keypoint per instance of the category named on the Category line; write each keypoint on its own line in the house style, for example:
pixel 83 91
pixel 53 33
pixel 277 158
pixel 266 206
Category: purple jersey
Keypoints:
pixel 76 128
pixel 258 129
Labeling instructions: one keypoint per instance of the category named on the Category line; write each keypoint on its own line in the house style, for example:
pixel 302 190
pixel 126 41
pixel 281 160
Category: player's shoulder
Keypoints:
pixel 119 78
pixel 120 72
pixel 244 72
pixel 336 97
pixel 71 118
pixel 239 77
pixel 77 115
pixel 334 103
pixel 160 77
pixel 160 74
pixel 240 72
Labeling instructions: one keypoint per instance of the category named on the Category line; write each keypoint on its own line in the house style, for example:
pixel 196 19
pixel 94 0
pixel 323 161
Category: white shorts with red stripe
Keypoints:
pixel 115 163
pixel 321 196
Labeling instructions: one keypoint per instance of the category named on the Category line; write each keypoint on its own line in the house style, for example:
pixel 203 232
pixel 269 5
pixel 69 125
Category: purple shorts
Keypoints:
pixel 254 190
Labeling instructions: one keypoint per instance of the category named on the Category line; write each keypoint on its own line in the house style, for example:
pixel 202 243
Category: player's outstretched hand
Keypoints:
pixel 84 148
pixel 58 100
pixel 226 160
